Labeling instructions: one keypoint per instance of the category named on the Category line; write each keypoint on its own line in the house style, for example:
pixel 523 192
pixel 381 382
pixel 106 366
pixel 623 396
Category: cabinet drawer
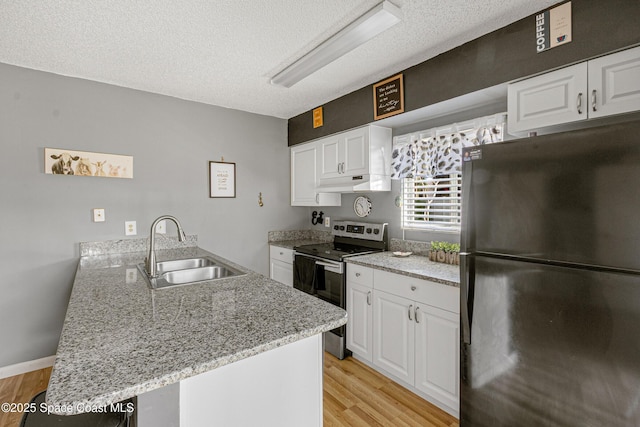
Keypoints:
pixel 423 291
pixel 281 254
pixel 360 274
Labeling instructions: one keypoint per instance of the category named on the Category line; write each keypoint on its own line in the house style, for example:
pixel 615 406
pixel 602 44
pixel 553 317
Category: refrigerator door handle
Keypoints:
pixel 466 229
pixel 466 297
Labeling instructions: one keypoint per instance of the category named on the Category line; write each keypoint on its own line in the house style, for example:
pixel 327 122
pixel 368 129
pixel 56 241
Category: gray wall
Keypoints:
pixel 383 210
pixel 43 217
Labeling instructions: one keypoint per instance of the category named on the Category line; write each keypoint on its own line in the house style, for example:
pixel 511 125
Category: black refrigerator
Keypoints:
pixel 550 280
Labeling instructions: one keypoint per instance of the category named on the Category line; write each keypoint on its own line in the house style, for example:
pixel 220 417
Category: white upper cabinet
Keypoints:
pixel 345 154
pixel 330 159
pixel 304 178
pixel 359 156
pixel 614 83
pixel 547 100
pixel 601 87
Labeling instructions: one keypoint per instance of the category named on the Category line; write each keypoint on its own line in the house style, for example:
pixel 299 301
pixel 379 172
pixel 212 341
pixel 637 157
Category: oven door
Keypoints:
pixel 320 277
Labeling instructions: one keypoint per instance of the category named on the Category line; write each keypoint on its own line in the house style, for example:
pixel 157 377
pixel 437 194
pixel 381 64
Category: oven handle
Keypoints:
pixel 335 267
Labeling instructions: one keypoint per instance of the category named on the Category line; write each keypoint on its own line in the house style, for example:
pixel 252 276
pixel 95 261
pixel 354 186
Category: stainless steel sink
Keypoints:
pixel 187 271
pixel 183 264
pixel 180 277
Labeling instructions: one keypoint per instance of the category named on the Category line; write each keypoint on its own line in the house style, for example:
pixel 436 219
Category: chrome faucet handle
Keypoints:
pixel 150 262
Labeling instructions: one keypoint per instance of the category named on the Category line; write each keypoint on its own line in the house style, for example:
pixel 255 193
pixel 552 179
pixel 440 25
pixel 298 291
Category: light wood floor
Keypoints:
pixel 20 389
pixel 354 395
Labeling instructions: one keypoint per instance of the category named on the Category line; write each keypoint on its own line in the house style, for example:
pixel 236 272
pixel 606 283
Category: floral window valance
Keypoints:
pixel 438 152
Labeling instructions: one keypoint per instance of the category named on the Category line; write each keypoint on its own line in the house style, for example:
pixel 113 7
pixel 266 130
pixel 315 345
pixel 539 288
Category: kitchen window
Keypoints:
pixel 430 166
pixel 432 203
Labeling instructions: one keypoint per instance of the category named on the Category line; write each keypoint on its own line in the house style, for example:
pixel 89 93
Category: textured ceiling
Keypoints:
pixel 224 52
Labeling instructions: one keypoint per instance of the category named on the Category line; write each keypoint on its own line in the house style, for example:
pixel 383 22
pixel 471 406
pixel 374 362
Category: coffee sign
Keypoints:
pixel 388 97
pixel 553 27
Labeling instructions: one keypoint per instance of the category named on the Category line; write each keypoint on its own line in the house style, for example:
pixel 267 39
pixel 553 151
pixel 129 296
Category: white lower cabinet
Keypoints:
pixel 408 329
pixel 437 372
pixel 360 310
pixel 394 339
pixel 359 326
pixel 281 264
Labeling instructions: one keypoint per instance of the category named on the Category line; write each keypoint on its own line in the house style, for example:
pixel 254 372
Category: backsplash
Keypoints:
pixel 419 248
pixel 321 235
pixel 121 246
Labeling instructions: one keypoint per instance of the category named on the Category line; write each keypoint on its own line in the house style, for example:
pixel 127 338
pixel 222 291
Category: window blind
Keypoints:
pixel 432 195
pixel 432 203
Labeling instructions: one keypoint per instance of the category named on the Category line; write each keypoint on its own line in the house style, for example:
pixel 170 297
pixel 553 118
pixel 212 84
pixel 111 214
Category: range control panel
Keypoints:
pixel 360 230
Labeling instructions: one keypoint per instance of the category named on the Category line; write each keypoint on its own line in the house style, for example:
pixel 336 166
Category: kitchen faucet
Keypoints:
pixel 150 261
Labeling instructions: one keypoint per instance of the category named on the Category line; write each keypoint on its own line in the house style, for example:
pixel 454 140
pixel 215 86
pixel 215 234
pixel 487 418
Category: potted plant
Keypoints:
pixel 433 252
pixel 445 252
pixel 453 253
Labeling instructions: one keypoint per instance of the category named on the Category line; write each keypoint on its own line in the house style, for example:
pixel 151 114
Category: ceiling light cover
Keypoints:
pixel 380 18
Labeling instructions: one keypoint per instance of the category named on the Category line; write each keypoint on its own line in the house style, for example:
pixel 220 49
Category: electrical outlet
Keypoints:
pixel 327 222
pixel 131 275
pixel 161 227
pixel 98 215
pixel 130 228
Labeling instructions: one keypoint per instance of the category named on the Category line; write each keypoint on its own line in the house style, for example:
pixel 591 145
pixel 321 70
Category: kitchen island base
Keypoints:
pixel 281 387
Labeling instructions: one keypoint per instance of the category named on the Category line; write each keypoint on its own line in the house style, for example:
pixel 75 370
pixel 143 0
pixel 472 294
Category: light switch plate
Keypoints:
pixel 327 221
pixel 98 215
pixel 130 228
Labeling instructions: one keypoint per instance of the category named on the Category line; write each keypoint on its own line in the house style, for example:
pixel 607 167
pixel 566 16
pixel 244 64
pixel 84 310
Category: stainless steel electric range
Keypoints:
pixel 319 269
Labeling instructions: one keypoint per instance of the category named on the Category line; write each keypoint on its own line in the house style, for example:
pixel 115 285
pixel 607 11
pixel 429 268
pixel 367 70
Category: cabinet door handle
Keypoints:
pixel 317 198
pixel 593 99
pixel 357 274
pixel 579 103
pixel 369 298
pixel 281 253
pixel 416 314
pixel 410 307
pixel 413 288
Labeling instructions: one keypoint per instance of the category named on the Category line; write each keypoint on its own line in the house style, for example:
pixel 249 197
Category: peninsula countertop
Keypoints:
pixel 417 266
pixel 121 339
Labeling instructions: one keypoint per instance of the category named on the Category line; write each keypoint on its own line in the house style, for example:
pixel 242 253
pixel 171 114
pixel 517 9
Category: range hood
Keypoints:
pixel 356 184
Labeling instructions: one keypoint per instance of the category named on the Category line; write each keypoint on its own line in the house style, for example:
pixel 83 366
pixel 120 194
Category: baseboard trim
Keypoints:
pixel 24 367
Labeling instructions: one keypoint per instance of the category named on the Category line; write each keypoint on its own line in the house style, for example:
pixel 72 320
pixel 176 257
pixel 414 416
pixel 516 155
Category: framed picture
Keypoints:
pixel 222 179
pixel 59 161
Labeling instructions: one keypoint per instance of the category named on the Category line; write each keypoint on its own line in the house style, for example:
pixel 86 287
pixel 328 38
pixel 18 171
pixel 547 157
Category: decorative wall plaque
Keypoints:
pixel 388 97
pixel 553 27
pixel 222 179
pixel 317 117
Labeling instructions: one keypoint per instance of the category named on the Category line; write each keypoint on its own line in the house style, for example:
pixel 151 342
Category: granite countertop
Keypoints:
pixel 292 238
pixel 417 266
pixel 290 244
pixel 121 339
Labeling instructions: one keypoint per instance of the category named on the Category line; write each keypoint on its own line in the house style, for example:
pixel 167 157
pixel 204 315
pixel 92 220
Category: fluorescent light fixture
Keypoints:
pixel 378 19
